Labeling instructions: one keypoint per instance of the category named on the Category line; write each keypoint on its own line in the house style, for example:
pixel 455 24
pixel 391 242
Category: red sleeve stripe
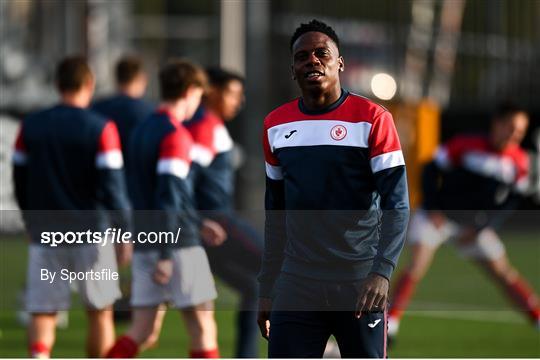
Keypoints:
pixel 387 160
pixel 109 155
pixel 383 137
pixel 274 172
pixel 173 166
pixel 268 154
pixel 176 144
pixel 109 139
pixel 201 155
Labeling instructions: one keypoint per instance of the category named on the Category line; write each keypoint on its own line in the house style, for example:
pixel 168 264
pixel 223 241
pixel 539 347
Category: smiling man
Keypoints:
pixel 336 210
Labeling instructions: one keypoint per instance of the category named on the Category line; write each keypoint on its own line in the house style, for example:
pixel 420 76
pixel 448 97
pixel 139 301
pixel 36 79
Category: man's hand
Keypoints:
pixel 212 233
pixel 437 218
pixel 163 271
pixel 263 318
pixel 372 294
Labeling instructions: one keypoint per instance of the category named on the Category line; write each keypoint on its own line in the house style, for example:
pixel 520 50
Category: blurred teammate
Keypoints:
pixel 469 188
pixel 178 273
pixel 337 210
pixel 237 261
pixel 127 108
pixel 69 158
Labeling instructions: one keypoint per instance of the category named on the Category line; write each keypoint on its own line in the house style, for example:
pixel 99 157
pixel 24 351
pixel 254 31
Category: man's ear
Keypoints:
pixel 341 63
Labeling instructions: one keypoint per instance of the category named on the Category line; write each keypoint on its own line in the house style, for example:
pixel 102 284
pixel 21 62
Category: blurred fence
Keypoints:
pixel 494 48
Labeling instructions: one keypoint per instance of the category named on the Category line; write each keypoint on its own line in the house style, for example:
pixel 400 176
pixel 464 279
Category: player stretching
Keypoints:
pixel 163 272
pixel 468 189
pixel 68 158
pixel 237 261
pixel 336 210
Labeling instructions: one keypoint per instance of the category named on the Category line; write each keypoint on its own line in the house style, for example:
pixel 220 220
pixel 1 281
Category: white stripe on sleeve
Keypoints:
pixel 173 166
pixel 387 160
pixel 222 140
pixel 201 155
pixel 111 159
pixel 274 172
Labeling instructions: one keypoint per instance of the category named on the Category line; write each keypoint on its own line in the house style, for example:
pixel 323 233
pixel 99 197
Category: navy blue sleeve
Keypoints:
pixel 275 236
pixel 392 187
pixel 20 184
pixel 173 193
pixel 111 185
pixel 172 197
pixel 20 172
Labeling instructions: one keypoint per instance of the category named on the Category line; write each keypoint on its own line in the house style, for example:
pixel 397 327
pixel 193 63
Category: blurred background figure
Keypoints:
pixel 163 272
pixel 469 189
pixel 127 108
pixel 237 260
pixel 69 158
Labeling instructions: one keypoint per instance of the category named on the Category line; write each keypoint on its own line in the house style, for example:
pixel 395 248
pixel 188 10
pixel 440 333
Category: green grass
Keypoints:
pixel 484 324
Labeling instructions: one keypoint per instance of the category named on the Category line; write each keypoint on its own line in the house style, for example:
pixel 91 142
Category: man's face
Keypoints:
pixel 509 131
pixel 226 101
pixel 316 62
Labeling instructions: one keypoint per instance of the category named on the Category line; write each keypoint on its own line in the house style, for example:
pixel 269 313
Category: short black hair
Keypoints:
pixel 220 77
pixel 127 69
pixel 71 73
pixel 507 108
pixel 314 25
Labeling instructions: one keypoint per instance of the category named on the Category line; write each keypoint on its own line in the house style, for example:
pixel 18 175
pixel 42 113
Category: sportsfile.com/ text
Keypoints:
pixel 109 236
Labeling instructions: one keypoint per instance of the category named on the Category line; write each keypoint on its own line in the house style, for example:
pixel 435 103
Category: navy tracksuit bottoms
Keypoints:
pixel 306 312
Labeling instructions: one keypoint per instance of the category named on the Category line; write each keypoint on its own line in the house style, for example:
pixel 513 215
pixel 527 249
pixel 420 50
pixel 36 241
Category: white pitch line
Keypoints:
pixel 465 312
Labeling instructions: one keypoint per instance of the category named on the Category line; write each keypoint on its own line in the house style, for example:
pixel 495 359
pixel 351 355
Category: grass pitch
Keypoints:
pixel 456 312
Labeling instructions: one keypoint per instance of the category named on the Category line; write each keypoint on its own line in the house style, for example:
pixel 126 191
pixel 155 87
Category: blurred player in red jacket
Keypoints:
pixel 237 260
pixel 472 184
pixel 177 273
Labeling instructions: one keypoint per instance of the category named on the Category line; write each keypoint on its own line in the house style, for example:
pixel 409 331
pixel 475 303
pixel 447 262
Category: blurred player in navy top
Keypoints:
pixel 69 158
pixel 237 260
pixel 176 273
pixel 127 108
pixel 469 188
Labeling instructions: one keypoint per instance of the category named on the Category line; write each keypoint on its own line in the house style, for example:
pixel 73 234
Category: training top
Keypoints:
pixel 336 199
pixel 467 173
pixel 212 156
pixel 69 158
pixel 161 189
pixel 127 112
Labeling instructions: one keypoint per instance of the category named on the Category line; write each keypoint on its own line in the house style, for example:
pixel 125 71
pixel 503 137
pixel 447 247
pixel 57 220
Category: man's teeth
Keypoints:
pixel 313 74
